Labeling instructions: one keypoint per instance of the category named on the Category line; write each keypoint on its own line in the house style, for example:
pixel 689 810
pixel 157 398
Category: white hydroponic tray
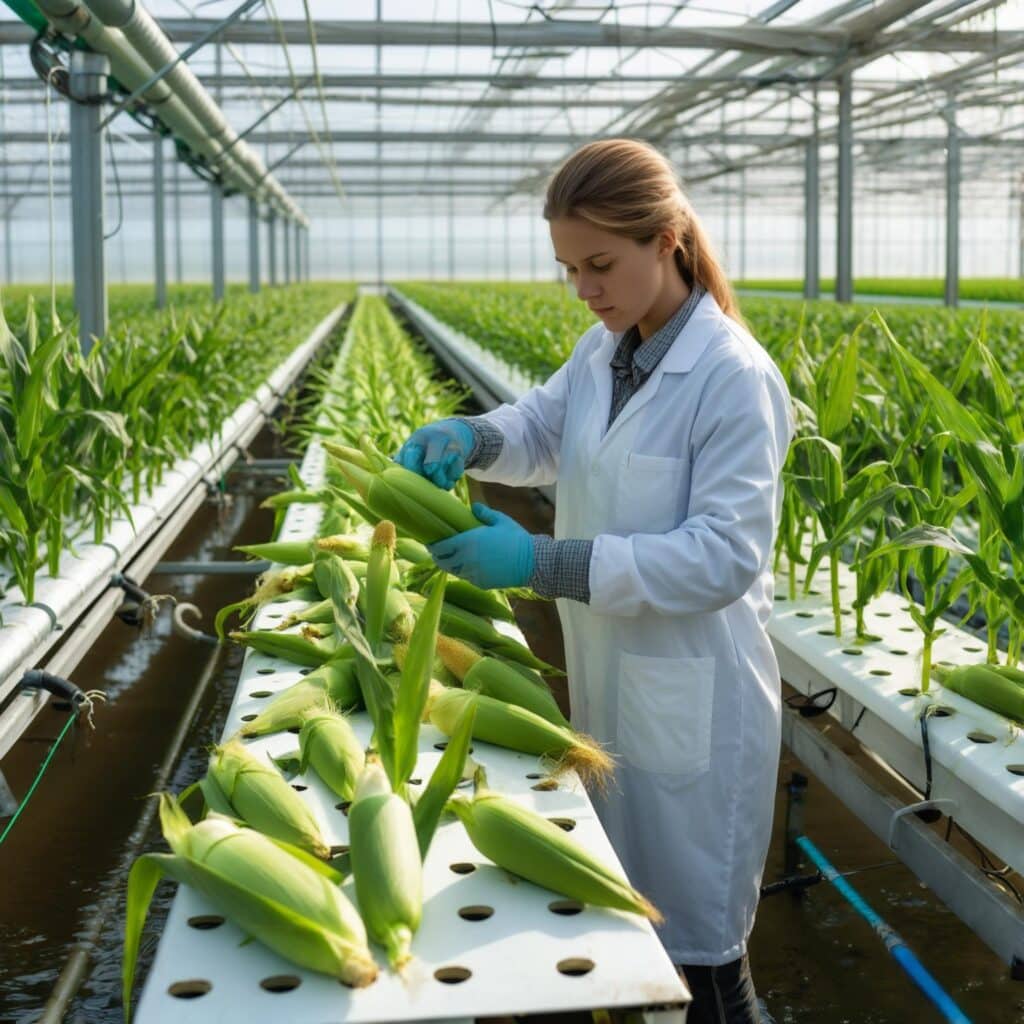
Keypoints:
pixel 489 943
pixel 977 756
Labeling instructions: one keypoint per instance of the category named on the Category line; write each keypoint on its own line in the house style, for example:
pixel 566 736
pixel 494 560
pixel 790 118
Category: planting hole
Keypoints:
pixel 343 807
pixel 337 851
pixel 826 632
pixel 942 711
pixel 415 782
pixel 477 913
pixel 980 737
pixel 814 593
pixel 262 693
pixel 909 691
pixel 805 615
pixel 299 788
pixel 305 672
pixel 566 824
pixel 463 868
pixel 204 922
pixel 441 746
pixel 545 786
pixel 880 672
pixel 974 650
pixel 576 966
pixel 567 908
pixel 249 718
pixel 1015 769
pixel 453 975
pixel 535 775
pixel 264 671
pixel 781 597
pixel 884 615
pixel 295 729
pixel 897 650
pixel 855 651
pixel 275 615
pixel 907 629
pixel 191 989
pixel 281 983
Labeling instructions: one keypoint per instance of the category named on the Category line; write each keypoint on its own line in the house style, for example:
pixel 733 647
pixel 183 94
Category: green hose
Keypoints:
pixel 29 13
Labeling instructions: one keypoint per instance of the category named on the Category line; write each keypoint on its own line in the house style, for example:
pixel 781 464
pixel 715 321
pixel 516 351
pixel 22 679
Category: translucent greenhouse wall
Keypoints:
pixel 893 236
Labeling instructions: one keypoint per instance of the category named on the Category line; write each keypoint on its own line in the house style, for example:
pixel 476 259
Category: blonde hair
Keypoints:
pixel 628 187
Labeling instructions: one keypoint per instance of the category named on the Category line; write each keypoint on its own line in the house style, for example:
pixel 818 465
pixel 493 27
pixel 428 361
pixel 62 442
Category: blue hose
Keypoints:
pixel 901 952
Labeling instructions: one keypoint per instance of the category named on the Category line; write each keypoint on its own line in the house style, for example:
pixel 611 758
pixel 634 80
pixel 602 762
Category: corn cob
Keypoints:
pixel 495 678
pixel 334 682
pixel 386 864
pixel 291 646
pixel 277 895
pixel 513 727
pixel 491 604
pixel 416 506
pixel 256 793
pixel 985 686
pixel 318 611
pixel 465 625
pixel 536 849
pixel 328 743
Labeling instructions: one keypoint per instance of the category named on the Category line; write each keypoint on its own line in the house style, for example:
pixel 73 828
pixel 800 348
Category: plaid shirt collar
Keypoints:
pixel 642 358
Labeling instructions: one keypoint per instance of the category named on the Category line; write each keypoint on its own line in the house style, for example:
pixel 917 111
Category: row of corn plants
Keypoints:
pixel 82 437
pixel 908 460
pixel 385 634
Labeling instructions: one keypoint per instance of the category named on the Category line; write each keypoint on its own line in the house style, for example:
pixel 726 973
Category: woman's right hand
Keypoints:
pixel 438 451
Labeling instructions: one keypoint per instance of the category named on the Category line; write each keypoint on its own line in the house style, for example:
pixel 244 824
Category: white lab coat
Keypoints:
pixel 670 665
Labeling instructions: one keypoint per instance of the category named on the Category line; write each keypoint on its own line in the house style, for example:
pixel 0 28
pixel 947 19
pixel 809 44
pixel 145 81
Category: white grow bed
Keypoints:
pixel 525 957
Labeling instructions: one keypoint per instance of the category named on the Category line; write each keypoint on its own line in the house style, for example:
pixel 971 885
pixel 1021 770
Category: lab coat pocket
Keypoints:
pixel 648 494
pixel 664 718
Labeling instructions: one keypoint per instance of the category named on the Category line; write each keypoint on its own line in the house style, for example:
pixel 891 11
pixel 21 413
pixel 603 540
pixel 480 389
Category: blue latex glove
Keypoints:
pixel 438 451
pixel 498 554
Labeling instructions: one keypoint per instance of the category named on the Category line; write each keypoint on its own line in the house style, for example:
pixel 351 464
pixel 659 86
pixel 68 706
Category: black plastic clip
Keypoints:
pixel 807 705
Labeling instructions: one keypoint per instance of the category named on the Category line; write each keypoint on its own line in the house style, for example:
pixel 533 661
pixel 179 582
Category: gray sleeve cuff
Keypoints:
pixel 561 568
pixel 487 441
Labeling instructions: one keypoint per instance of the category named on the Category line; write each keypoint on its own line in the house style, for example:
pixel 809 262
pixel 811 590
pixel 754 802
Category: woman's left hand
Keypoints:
pixel 498 554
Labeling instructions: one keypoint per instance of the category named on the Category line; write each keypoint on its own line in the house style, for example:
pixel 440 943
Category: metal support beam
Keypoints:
pixel 299 268
pixel 272 246
pixel 159 224
pixel 844 212
pixel 88 81
pixel 286 231
pixel 217 240
pixel 812 222
pixel 952 287
pixel 177 221
pixel 254 246
pixel 452 236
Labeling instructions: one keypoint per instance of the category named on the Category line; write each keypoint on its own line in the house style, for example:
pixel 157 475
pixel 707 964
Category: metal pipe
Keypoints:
pixel 844 232
pixel 272 246
pixel 159 237
pixel 89 73
pixel 254 246
pixel 952 283
pixel 812 228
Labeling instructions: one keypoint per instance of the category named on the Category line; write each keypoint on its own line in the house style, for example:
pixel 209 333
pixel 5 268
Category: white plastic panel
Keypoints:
pixel 973 750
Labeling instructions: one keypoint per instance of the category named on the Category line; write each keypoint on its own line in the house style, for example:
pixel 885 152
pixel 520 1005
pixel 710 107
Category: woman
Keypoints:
pixel 665 433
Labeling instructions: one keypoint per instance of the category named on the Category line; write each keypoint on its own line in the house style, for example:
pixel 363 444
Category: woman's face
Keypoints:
pixel 617 277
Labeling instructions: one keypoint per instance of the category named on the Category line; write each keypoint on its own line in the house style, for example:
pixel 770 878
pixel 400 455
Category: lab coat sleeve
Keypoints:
pixel 532 432
pixel 738 445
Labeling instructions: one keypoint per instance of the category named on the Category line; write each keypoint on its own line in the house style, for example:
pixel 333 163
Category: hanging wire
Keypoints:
pixel 117 185
pixel 326 156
